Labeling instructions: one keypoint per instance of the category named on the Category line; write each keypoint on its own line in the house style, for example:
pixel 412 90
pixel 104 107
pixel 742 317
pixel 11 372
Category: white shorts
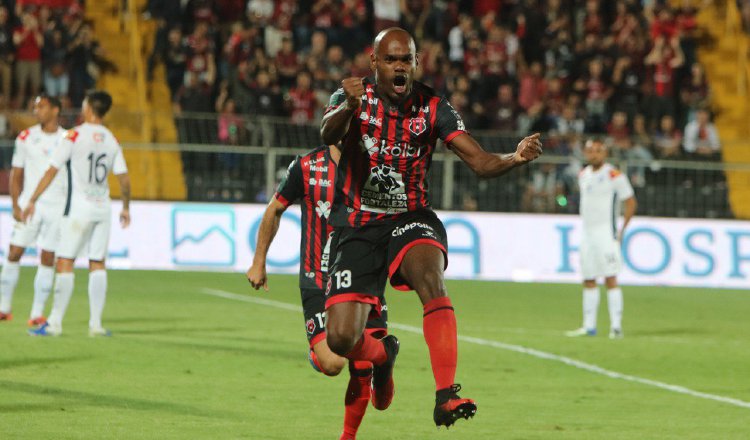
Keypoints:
pixel 601 256
pixel 43 229
pixel 78 236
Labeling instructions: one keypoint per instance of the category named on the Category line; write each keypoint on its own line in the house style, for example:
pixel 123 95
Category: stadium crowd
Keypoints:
pixel 47 45
pixel 563 67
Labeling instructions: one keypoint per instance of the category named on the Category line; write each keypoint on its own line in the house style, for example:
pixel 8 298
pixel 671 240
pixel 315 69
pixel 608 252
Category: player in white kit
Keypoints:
pixel 603 190
pixel 90 152
pixel 34 147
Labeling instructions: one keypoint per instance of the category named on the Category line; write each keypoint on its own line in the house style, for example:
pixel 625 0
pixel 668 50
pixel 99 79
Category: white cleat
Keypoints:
pixel 97 332
pixel 581 332
pixel 616 333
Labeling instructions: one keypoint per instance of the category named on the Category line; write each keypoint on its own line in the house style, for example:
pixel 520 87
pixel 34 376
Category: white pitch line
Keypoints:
pixel 510 347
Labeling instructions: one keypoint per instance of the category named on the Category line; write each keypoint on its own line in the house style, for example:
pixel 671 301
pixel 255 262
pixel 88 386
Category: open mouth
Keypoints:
pixel 399 83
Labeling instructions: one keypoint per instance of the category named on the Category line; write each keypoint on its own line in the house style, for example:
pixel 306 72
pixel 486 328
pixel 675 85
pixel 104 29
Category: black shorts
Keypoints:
pixel 314 309
pixel 363 258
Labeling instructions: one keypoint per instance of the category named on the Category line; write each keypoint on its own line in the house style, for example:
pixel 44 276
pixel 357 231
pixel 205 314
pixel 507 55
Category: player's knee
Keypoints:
pixel 47 258
pixel 15 254
pixel 331 365
pixel 340 341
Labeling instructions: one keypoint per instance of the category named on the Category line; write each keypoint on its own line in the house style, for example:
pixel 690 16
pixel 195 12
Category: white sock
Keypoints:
pixel 615 304
pixel 590 307
pixel 97 297
pixel 8 281
pixel 43 280
pixel 63 292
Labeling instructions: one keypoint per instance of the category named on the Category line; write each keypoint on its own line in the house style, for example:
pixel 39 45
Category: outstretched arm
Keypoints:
pixel 486 164
pixel 269 225
pixel 40 188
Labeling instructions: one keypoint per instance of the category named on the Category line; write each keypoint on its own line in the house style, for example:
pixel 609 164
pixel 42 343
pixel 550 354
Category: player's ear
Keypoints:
pixel 372 60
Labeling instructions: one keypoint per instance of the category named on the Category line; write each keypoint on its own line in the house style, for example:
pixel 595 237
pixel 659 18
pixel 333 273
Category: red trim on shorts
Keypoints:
pixel 317 338
pixel 402 253
pixel 357 297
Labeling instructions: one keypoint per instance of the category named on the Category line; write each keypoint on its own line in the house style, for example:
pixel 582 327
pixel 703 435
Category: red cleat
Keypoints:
pixel 383 387
pixel 39 320
pixel 6 316
pixel 449 407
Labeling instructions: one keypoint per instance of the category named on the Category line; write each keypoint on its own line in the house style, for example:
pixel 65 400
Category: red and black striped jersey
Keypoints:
pixel 310 180
pixel 387 152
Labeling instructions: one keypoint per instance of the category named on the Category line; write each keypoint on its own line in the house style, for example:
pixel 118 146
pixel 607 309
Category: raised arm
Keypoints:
pixel 344 104
pixel 486 164
pixel 269 225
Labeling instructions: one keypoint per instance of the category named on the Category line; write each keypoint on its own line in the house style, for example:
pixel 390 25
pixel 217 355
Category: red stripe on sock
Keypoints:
pixel 439 326
pixel 368 349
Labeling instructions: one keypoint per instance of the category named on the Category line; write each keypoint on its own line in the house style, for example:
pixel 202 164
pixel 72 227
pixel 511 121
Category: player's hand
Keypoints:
pixel 28 212
pixel 125 218
pixel 257 276
pixel 17 213
pixel 528 149
pixel 354 88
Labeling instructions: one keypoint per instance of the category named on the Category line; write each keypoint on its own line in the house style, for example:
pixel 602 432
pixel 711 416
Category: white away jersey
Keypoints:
pixel 602 193
pixel 90 152
pixel 34 149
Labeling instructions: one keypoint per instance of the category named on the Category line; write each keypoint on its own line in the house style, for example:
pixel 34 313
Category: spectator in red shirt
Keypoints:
pixel 301 100
pixel 664 59
pixel 532 87
pixel 287 64
pixel 200 60
pixel 28 40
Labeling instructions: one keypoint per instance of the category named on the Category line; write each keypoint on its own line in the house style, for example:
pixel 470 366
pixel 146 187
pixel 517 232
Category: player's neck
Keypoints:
pixel 50 127
pixel 597 167
pixel 93 120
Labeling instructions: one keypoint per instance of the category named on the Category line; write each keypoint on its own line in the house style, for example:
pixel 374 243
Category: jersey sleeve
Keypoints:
pixel 19 153
pixel 448 122
pixel 291 187
pixel 119 166
pixel 338 98
pixel 622 187
pixel 64 150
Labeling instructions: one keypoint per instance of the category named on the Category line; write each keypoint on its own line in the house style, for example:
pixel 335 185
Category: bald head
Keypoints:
pixel 395 33
pixel 394 61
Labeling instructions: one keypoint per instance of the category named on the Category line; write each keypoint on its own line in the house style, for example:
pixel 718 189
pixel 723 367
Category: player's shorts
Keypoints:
pixel 42 229
pixel 83 237
pixel 363 258
pixel 601 256
pixel 314 309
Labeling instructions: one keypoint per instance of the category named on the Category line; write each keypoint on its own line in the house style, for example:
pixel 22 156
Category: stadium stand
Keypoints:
pixel 251 78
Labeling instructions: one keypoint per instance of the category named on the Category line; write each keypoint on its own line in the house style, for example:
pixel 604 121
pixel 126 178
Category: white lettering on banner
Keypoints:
pixel 542 248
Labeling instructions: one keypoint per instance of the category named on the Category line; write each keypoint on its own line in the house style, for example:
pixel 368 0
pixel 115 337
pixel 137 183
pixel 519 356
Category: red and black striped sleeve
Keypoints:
pixel 292 186
pixel 449 123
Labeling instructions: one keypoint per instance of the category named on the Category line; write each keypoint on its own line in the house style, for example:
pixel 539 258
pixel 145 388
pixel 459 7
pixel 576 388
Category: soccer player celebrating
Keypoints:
pixel 384 226
pixel 603 190
pixel 34 146
pixel 90 152
pixel 309 180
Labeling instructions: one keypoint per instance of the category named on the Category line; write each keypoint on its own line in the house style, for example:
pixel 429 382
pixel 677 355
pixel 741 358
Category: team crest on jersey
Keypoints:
pixel 323 209
pixel 417 126
pixel 310 326
pixel 98 137
pixel 71 135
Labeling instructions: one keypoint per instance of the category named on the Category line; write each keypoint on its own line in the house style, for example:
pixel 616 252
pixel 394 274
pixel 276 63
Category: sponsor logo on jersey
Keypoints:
pixel 325 183
pixel 417 125
pixel 397 149
pixel 371 101
pixel 311 162
pixel 381 177
pixel 425 109
pixel 98 137
pixel 409 226
pixel 323 209
pixel 319 168
pixel 378 122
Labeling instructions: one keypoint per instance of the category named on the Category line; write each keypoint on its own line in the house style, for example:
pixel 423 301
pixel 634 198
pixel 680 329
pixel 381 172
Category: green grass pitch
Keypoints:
pixel 183 364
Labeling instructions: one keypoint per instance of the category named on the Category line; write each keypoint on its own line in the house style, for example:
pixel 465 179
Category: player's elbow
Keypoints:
pixel 329 138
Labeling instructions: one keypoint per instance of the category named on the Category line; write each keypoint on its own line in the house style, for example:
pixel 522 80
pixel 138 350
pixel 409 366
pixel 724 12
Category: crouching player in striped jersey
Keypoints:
pixel 310 180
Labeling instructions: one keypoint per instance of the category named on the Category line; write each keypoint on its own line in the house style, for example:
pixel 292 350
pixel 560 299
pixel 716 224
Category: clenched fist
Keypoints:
pixel 354 88
pixel 528 149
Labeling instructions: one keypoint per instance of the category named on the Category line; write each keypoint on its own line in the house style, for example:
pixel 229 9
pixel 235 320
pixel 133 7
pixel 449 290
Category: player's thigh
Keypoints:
pixel 314 311
pixel 49 234
pixel 74 233
pixel 24 235
pixel 358 272
pixel 99 242
pixel 377 325
pixel 611 257
pixel 418 228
